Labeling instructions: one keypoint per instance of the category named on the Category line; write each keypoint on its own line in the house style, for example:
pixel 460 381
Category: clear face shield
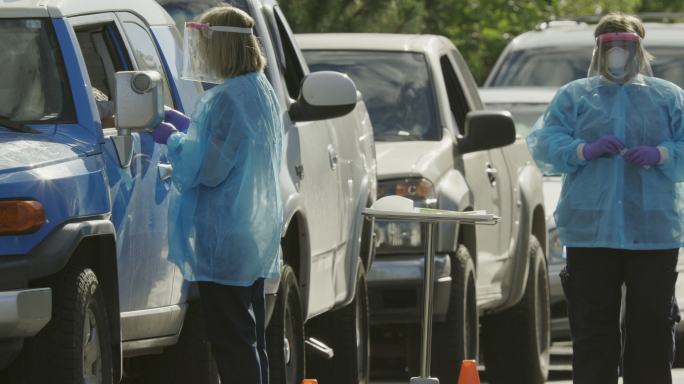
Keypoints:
pixel 196 43
pixel 619 57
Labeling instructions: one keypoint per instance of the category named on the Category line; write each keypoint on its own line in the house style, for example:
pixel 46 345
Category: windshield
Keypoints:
pixel 33 85
pixel 395 86
pixel 543 67
pixel 556 67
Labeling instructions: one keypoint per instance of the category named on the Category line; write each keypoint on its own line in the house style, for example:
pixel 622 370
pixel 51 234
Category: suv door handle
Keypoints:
pixel 165 171
pixel 332 155
pixel 491 174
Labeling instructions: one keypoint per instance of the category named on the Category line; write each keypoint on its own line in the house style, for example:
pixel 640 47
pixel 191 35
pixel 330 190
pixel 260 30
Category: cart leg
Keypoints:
pixel 426 335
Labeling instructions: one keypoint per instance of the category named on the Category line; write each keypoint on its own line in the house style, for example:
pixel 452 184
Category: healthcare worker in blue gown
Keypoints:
pixel 617 137
pixel 226 217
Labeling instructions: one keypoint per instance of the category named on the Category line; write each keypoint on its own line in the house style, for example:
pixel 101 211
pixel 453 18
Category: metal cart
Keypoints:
pixel 429 218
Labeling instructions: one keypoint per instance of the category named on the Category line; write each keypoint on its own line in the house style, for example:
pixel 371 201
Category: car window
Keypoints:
pixel 524 115
pixel 396 87
pixel 294 70
pixel 457 100
pixel 146 55
pixel 556 67
pixel 101 47
pixel 543 67
pixel 33 81
pixel 668 64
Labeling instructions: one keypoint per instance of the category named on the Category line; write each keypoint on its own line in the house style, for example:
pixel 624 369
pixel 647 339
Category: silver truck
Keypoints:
pixel 436 146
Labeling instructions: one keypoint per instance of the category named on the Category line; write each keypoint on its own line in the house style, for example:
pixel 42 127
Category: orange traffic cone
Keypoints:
pixel 469 374
pixel 309 381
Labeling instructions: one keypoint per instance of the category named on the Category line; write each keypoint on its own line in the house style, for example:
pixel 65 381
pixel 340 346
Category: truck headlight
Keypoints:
pixel 20 216
pixel 404 237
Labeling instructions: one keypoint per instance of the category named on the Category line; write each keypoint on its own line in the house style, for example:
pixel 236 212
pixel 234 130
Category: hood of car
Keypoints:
pixel 426 159
pixel 25 151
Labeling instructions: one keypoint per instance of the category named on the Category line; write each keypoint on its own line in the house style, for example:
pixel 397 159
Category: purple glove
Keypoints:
pixel 178 119
pixel 607 145
pixel 162 132
pixel 643 155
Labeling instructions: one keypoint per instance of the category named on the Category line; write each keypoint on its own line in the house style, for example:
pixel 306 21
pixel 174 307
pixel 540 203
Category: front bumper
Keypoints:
pixel 395 288
pixel 23 313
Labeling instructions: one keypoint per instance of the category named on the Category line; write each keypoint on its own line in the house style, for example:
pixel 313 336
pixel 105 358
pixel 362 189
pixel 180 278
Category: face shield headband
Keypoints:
pixel 197 41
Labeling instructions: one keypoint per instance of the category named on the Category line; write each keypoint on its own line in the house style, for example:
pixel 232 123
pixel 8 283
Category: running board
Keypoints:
pixel 320 348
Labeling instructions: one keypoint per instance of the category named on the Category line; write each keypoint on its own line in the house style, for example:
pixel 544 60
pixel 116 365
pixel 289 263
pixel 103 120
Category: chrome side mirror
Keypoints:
pixel 324 95
pixel 139 104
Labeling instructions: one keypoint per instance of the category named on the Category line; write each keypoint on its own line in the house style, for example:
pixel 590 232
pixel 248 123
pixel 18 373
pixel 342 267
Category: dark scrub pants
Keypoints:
pixel 592 281
pixel 235 319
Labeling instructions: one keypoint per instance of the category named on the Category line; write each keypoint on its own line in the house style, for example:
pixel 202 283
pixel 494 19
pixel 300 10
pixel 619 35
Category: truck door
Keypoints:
pixel 506 187
pixel 139 193
pixel 317 169
pixel 481 175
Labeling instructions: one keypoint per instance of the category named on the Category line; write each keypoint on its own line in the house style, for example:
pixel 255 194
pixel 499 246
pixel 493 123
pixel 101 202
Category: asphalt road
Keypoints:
pixel 560 371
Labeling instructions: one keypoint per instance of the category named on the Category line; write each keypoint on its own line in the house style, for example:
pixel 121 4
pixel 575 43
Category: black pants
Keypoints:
pixel 235 319
pixel 592 281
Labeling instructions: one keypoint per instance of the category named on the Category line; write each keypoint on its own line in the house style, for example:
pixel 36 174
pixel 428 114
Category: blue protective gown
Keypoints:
pixel 226 212
pixel 609 202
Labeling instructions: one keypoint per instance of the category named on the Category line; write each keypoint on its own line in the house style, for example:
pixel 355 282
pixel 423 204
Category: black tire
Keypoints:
pixel 517 341
pixel 456 339
pixel 285 333
pixel 189 361
pixel 347 330
pixel 75 344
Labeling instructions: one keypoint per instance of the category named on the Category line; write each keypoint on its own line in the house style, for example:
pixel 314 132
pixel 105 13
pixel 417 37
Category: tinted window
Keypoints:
pixel 396 87
pixel 554 67
pixel 543 67
pixel 145 54
pixel 33 83
pixel 669 64
pixel 457 100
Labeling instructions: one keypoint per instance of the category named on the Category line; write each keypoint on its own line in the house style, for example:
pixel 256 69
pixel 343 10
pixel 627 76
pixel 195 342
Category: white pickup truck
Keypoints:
pixel 436 146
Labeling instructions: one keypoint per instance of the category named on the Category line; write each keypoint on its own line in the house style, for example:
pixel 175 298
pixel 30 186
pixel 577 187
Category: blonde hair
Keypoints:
pixel 231 54
pixel 620 22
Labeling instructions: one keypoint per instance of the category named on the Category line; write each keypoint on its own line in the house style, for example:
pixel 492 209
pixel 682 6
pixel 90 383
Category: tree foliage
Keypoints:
pixel 479 28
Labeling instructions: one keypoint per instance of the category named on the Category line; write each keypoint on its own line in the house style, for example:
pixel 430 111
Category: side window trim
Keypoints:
pixel 459 105
pixel 472 95
pixel 115 36
pixel 290 36
pixel 275 35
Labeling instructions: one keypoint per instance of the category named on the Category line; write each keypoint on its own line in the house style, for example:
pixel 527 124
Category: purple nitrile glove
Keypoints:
pixel 643 156
pixel 607 145
pixel 178 119
pixel 162 132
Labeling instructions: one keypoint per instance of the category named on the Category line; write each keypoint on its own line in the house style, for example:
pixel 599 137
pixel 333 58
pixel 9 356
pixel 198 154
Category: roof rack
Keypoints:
pixel 554 23
pixel 646 17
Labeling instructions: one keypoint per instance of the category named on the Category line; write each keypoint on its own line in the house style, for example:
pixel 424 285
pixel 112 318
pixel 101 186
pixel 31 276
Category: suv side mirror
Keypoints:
pixel 324 95
pixel 487 130
pixel 139 105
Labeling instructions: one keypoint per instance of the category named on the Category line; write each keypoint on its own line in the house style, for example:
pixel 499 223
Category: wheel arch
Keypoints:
pixel 85 242
pixel 295 245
